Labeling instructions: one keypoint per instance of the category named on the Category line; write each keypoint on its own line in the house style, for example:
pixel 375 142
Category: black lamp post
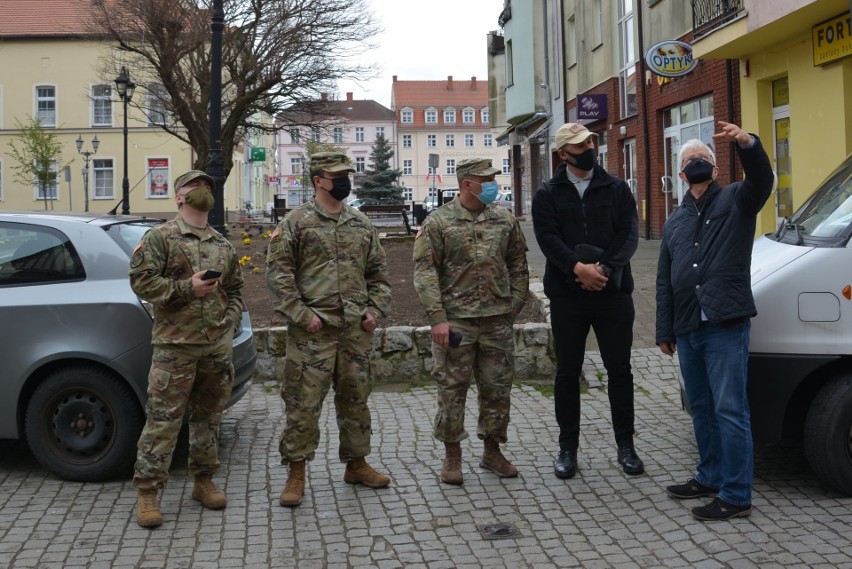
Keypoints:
pixel 215 160
pixel 125 89
pixel 86 156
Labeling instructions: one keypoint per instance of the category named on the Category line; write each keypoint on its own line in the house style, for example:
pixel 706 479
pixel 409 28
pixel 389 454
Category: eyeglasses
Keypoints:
pixel 695 157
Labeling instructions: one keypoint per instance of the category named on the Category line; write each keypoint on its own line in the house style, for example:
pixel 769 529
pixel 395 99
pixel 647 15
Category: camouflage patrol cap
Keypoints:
pixel 475 167
pixel 184 179
pixel 330 162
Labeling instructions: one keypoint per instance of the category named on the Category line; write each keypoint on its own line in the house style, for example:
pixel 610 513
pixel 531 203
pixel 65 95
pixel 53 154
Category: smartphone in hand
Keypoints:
pixel 455 339
pixel 211 274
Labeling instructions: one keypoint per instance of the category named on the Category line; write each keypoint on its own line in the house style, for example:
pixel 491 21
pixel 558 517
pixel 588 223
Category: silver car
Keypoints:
pixel 76 341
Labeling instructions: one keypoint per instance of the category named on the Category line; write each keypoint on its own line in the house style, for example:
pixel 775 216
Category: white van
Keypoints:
pixel 800 364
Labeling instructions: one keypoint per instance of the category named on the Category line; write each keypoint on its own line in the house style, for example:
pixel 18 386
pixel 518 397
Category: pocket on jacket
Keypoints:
pixel 159 380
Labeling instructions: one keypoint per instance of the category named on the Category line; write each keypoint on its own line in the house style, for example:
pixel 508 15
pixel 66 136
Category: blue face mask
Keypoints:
pixel 489 192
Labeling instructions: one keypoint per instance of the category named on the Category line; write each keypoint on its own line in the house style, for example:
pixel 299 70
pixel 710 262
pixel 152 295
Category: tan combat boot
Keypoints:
pixel 451 472
pixel 148 509
pixel 494 460
pixel 359 472
pixel 206 492
pixel 294 489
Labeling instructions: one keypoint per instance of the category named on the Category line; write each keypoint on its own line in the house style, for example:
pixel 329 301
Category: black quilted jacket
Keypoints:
pixel 705 260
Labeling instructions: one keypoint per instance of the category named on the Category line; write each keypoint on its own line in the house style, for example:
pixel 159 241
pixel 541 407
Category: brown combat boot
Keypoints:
pixel 451 472
pixel 206 492
pixel 494 460
pixel 359 472
pixel 294 489
pixel 148 509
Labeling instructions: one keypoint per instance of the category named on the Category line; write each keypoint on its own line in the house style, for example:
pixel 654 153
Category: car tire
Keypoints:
pixel 828 434
pixel 82 424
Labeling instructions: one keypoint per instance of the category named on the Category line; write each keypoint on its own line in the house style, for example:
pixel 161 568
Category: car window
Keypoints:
pixel 32 254
pixel 128 235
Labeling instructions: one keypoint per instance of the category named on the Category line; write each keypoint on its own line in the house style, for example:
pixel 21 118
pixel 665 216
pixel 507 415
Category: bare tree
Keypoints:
pixel 275 54
pixel 38 153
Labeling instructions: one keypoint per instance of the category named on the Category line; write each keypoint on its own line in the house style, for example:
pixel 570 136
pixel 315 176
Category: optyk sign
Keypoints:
pixel 670 58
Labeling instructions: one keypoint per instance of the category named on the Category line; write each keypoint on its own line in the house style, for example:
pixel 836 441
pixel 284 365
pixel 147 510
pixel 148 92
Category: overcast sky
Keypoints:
pixel 426 40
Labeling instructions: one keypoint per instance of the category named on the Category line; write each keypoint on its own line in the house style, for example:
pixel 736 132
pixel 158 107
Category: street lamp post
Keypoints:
pixel 125 89
pixel 215 159
pixel 86 156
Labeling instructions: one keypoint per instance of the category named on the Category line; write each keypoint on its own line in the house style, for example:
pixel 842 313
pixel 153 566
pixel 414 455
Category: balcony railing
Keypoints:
pixel 710 15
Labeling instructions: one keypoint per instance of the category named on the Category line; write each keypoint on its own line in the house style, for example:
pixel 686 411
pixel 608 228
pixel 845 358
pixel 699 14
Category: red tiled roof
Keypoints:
pixel 44 18
pixel 451 92
pixel 359 110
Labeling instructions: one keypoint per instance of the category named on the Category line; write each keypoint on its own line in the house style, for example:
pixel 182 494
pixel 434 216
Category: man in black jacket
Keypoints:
pixel 586 225
pixel 704 307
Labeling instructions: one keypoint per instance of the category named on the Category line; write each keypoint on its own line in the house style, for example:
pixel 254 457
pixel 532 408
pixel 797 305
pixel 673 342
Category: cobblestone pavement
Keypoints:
pixel 601 518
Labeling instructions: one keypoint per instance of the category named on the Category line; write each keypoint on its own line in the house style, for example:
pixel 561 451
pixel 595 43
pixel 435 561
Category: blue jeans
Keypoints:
pixel 714 361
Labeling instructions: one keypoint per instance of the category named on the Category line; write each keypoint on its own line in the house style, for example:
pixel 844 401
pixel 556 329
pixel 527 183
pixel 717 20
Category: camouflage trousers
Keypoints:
pixel 181 375
pixel 331 357
pixel 487 353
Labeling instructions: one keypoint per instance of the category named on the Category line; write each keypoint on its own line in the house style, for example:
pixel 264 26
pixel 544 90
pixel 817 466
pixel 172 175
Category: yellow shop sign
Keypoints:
pixel 832 40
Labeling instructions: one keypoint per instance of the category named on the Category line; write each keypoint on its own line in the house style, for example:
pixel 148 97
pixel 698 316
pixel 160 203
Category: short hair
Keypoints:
pixel 693 144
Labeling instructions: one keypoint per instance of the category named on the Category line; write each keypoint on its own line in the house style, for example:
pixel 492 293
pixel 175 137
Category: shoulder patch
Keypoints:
pixel 137 258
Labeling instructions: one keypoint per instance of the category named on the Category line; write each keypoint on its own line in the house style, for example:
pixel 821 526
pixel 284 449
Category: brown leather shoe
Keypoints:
pixel 294 489
pixel 206 492
pixel 494 460
pixel 359 472
pixel 451 472
pixel 148 509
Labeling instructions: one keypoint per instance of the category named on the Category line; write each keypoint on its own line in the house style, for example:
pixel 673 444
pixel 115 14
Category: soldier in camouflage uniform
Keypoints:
pixel 194 325
pixel 327 274
pixel 472 278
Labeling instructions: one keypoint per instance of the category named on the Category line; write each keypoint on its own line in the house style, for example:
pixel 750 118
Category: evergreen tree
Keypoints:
pixel 379 185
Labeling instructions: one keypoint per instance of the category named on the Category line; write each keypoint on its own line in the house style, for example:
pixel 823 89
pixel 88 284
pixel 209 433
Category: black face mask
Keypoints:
pixel 586 160
pixel 698 171
pixel 340 188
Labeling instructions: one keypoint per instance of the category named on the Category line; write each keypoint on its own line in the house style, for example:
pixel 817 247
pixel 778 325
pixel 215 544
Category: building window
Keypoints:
pixel 450 141
pixel 449 116
pixel 488 140
pixel 506 168
pixel 157 97
pixel 46 105
pixel 468 116
pixel 486 116
pixel 431 140
pixel 101 105
pixel 380 131
pixel 597 23
pixel 359 134
pixel 407 194
pixel 338 135
pixel 406 141
pixel 406 167
pixel 295 165
pixel 360 164
pixel 431 116
pixel 627 59
pixel 50 189
pixel 315 134
pixel 468 141
pixel 406 116
pixel 451 166
pixel 510 72
pixel 571 42
pixel 103 182
pixel 294 136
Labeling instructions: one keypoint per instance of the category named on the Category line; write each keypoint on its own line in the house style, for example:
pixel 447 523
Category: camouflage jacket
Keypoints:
pixel 334 268
pixel 466 267
pixel 161 270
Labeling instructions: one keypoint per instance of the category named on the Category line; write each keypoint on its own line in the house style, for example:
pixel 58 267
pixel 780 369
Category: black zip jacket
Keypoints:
pixel 606 217
pixel 705 259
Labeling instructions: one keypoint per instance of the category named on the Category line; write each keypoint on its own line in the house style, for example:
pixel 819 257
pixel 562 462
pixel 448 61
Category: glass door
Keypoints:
pixel 783 161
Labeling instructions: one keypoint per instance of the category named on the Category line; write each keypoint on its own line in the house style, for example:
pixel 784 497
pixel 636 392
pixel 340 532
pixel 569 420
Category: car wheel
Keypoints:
pixel 82 424
pixel 828 434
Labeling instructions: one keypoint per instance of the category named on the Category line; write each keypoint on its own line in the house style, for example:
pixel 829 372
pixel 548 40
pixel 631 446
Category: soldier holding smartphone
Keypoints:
pixel 472 279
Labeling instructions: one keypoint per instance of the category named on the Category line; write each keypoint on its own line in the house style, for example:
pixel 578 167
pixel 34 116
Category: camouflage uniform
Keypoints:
pixel 472 272
pixel 333 266
pixel 192 340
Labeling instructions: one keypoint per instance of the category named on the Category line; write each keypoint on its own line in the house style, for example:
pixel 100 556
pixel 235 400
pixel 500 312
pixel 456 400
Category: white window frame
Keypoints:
pixel 407 167
pixel 571 42
pixel 431 141
pixel 450 115
pixel 468 115
pixel 380 130
pixel 359 134
pixel 597 23
pixel 101 102
pixel 488 140
pixel 297 166
pixel 47 99
pixel 408 194
pixel 469 140
pixel 52 195
pixel 430 115
pixel 406 116
pixel 507 167
pixel 360 164
pixel 94 175
pixel 485 116
pixel 627 58
pixel 406 141
pixel 338 135
pixel 450 140
pixel 451 166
